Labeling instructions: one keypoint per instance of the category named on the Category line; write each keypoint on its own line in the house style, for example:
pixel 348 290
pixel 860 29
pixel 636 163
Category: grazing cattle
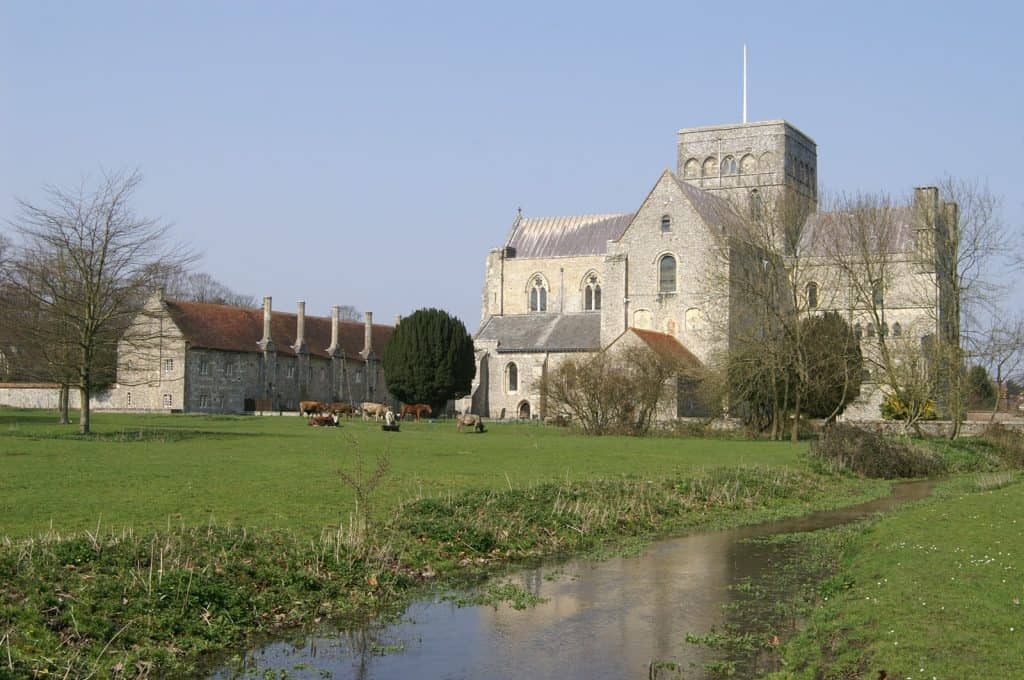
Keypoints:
pixel 418 410
pixel 469 420
pixel 339 408
pixel 370 408
pixel 323 421
pixel 312 408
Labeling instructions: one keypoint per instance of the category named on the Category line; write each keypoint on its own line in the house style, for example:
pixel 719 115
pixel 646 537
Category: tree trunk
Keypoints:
pixel 63 403
pixel 84 413
pixel 794 435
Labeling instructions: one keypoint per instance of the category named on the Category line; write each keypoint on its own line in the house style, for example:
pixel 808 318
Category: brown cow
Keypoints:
pixel 417 410
pixel 346 409
pixel 311 408
pixel 374 409
pixel 469 419
pixel 323 421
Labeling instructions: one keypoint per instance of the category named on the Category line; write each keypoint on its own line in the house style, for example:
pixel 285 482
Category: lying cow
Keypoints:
pixel 469 420
pixel 343 408
pixel 312 408
pixel 418 410
pixel 376 410
pixel 323 421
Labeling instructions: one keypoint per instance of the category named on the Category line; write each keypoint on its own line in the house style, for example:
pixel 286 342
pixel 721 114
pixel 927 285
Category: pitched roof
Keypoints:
pixel 571 236
pixel 713 209
pixel 829 232
pixel 240 329
pixel 544 332
pixel 667 347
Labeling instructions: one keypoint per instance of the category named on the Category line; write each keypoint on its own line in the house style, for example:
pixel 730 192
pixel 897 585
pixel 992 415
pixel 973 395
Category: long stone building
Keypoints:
pixel 209 358
pixel 561 286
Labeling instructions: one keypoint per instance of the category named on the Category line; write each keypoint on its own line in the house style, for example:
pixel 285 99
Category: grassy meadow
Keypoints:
pixel 149 471
pixel 930 591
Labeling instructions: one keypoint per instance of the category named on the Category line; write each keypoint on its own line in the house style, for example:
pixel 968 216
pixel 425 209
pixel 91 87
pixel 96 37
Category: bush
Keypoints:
pixel 1008 443
pixel 869 454
pixel 893 408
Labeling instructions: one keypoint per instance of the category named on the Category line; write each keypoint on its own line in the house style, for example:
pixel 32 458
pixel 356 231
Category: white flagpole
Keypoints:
pixel 744 84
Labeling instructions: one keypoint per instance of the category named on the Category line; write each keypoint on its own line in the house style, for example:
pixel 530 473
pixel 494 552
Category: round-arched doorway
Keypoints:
pixel 524 410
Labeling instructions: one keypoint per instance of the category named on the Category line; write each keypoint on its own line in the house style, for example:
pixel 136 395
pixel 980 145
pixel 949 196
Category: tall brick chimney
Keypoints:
pixel 335 313
pixel 300 327
pixel 266 322
pixel 368 335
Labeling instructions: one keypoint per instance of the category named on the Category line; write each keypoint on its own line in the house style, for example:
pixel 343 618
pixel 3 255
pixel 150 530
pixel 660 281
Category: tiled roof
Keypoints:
pixel 667 347
pixel 829 232
pixel 566 236
pixel 239 329
pixel 544 332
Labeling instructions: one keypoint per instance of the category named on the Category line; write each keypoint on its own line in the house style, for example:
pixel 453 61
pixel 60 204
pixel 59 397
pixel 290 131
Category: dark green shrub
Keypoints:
pixel 869 454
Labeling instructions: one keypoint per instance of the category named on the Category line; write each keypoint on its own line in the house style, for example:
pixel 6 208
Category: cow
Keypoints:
pixel 311 408
pixel 374 409
pixel 417 410
pixel 323 421
pixel 339 408
pixel 469 419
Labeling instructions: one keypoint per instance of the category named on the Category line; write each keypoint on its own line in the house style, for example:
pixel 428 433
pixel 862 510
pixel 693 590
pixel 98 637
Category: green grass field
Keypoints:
pixel 145 471
pixel 933 591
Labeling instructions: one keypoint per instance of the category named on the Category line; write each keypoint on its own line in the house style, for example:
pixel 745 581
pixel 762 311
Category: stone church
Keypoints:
pixel 560 286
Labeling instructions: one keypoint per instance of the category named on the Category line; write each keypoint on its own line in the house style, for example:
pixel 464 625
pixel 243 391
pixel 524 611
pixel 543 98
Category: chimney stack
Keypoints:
pixel 300 326
pixel 368 336
pixel 335 313
pixel 398 320
pixel 266 321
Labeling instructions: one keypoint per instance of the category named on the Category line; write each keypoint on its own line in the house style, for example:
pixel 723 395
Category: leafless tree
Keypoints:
pixel 1000 346
pixel 84 264
pixel 349 313
pixel 616 391
pixel 202 287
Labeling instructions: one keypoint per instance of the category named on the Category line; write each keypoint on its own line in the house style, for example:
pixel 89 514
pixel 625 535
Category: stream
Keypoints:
pixel 606 619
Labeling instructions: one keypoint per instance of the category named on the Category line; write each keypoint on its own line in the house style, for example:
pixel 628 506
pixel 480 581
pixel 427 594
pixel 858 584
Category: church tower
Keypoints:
pixel 749 163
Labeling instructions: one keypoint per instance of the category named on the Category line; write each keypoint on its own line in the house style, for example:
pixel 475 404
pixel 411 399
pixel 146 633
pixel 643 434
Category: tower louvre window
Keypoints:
pixel 666 223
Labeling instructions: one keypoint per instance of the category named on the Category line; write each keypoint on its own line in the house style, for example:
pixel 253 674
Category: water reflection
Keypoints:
pixel 601 620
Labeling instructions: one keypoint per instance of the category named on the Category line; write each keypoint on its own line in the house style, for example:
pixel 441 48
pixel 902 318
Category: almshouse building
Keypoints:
pixel 209 358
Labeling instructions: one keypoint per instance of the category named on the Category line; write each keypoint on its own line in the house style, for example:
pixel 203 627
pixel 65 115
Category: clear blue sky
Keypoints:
pixel 371 153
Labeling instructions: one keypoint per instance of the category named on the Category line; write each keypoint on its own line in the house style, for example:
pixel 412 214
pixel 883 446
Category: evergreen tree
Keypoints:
pixel 834 363
pixel 429 359
pixel 980 391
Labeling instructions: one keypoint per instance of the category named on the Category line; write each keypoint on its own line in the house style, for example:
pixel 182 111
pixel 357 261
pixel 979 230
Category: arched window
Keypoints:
pixel 877 297
pixel 897 330
pixel 858 331
pixel 667 274
pixel 748 165
pixel 538 295
pixel 691 169
pixel 512 378
pixel 812 295
pixel 756 204
pixel 729 166
pixel 666 223
pixel 710 167
pixel 871 330
pixel 591 294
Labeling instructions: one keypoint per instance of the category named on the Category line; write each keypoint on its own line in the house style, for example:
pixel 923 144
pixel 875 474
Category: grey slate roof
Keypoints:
pixel 829 232
pixel 579 332
pixel 571 236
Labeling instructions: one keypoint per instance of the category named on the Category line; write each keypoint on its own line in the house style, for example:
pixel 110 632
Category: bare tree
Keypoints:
pixel 84 265
pixel 349 313
pixel 202 287
pixel 1000 346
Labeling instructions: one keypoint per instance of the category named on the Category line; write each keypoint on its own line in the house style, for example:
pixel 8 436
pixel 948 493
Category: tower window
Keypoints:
pixel 538 295
pixel 666 223
pixel 729 166
pixel 667 274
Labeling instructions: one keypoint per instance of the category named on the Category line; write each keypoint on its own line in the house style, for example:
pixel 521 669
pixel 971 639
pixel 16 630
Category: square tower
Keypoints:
pixel 747 161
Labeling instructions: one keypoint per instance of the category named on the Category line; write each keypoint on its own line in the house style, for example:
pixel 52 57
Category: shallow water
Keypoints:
pixel 605 619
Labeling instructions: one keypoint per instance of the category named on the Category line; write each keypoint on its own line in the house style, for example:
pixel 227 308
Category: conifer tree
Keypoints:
pixel 429 359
